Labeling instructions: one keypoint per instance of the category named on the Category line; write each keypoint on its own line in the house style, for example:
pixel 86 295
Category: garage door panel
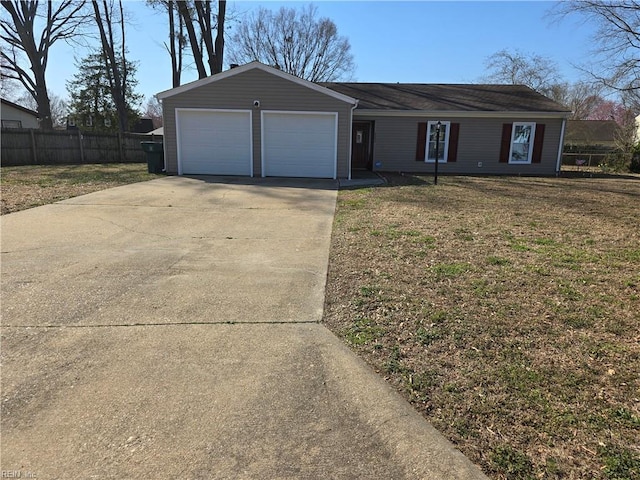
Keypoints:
pixel 215 142
pixel 299 144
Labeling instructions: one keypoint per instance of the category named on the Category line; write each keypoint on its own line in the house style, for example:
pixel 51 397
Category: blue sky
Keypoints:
pixel 416 41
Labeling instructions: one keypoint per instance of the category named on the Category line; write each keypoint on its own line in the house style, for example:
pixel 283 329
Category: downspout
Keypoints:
pixel 351 138
pixel 164 144
pixel 560 147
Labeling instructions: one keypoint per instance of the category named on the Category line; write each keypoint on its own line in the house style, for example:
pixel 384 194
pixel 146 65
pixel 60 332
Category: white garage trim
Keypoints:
pixel 246 168
pixel 331 170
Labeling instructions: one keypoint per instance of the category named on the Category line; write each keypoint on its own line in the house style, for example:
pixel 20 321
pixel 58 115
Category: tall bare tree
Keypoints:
pixel 297 41
pixel 583 98
pixel 200 22
pixel 543 75
pixel 616 41
pixel 177 37
pixel 28 31
pixel 59 107
pixel 518 68
pixel 153 110
pixel 106 17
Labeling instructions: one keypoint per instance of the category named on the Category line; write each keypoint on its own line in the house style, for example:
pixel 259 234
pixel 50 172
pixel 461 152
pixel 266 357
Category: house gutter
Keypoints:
pixel 164 141
pixel 355 105
pixel 560 147
pixel 460 114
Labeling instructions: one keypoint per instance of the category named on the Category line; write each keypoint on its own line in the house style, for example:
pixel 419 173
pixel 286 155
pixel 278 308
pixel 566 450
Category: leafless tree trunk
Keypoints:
pixel 297 42
pixel 18 34
pixel 177 40
pixel 185 12
pixel 116 73
pixel 219 45
pixel 175 44
pixel 198 13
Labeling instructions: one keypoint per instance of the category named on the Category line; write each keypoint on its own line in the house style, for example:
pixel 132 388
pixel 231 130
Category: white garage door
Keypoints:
pixel 214 142
pixel 299 144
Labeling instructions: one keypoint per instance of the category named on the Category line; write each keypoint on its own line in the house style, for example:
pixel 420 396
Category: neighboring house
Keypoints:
pixel 638 128
pixel 142 125
pixel 255 120
pixel 17 116
pixel 106 123
pixel 591 133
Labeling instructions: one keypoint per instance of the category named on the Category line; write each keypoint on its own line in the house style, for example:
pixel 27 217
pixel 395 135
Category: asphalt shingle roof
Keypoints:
pixel 446 97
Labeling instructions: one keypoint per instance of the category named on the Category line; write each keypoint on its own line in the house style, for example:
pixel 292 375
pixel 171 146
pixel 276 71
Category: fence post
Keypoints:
pixel 81 146
pixel 33 147
pixel 120 147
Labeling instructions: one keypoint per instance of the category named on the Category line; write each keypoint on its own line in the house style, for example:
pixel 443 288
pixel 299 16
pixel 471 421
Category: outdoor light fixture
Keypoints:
pixel 438 125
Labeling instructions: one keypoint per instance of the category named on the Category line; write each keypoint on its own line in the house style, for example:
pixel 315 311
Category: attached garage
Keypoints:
pixel 299 144
pixel 214 142
pixel 255 120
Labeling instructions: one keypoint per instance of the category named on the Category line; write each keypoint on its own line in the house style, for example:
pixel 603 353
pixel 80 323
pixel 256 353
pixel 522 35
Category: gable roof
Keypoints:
pixel 591 132
pixel 252 66
pixel 416 97
pixel 19 107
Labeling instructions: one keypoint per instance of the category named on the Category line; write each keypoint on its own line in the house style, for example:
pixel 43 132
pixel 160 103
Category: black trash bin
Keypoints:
pixel 155 156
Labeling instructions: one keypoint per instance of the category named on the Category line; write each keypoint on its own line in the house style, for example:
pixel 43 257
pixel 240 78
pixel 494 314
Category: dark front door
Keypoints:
pixel 361 145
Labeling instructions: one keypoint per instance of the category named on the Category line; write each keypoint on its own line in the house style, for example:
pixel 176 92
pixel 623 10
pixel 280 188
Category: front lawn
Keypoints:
pixel 34 185
pixel 506 310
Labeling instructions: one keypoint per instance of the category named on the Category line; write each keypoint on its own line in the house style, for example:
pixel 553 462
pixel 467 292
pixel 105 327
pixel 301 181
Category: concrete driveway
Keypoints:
pixel 170 329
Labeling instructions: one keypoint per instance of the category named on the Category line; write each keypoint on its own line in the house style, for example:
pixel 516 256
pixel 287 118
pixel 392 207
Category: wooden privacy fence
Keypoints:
pixel 38 147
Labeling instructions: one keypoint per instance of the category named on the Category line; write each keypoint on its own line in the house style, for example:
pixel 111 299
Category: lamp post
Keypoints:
pixel 438 125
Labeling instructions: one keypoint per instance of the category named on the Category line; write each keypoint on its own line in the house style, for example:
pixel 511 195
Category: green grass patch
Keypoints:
pixel 498 261
pixel 363 331
pixel 620 463
pixel 394 362
pixel 512 463
pixel 426 336
pixel 450 270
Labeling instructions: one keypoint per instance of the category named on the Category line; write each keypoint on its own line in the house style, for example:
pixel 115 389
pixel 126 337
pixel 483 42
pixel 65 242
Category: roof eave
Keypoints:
pixel 20 107
pixel 459 114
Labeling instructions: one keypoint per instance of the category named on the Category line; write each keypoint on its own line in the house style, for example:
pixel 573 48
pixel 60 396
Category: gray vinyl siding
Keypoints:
pixel 274 93
pixel 479 141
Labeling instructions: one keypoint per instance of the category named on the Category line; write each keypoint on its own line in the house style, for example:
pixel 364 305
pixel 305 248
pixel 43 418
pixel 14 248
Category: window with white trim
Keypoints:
pixel 522 136
pixel 443 147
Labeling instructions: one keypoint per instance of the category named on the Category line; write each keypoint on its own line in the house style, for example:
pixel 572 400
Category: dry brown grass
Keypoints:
pixel 35 185
pixel 506 310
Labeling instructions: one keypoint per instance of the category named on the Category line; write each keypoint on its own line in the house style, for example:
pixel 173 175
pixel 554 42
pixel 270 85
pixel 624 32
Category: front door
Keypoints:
pixel 361 145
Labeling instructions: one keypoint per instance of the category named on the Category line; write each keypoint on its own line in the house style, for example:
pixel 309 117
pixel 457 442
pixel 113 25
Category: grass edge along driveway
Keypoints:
pixel 505 310
pixel 30 186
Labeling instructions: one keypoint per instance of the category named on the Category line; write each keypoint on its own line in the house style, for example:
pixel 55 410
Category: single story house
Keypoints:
pixel 256 120
pixel 16 116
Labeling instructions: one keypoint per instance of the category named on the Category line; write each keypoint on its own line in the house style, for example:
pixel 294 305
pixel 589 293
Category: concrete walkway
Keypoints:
pixel 170 329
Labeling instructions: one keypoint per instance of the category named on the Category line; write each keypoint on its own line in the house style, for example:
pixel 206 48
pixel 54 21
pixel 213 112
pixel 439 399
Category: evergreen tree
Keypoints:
pixel 91 107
